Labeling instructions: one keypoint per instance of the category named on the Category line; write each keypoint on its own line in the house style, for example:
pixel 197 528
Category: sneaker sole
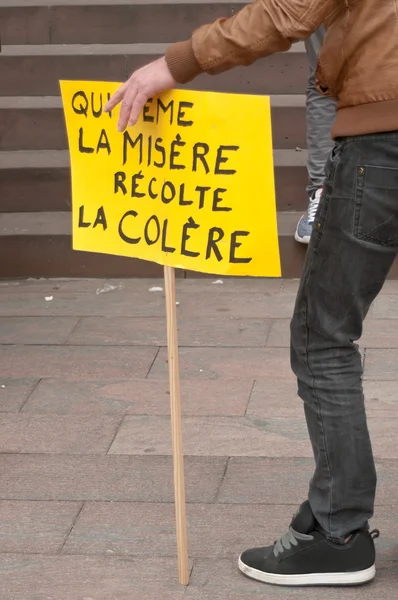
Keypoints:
pixel 302 240
pixel 310 579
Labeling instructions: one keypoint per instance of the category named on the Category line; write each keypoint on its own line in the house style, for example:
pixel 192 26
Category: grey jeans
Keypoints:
pixel 353 246
pixel 321 113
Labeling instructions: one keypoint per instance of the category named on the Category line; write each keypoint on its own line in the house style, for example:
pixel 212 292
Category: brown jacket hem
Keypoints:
pixel 375 117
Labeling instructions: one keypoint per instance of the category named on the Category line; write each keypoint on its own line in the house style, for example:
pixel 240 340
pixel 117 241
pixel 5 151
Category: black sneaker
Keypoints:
pixel 304 556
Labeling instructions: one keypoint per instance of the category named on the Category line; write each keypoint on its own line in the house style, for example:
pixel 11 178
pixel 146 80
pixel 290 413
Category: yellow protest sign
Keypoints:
pixel 190 186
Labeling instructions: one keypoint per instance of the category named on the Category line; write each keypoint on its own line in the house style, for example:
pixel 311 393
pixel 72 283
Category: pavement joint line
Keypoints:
pixel 74 328
pixel 34 388
pixel 168 502
pixel 149 456
pixel 59 551
pixel 221 481
pixel 186 590
pixel 268 334
pixel 379 460
pixel 96 414
pixel 154 360
pixel 250 397
pixel 116 432
pixel 137 346
pixel 364 354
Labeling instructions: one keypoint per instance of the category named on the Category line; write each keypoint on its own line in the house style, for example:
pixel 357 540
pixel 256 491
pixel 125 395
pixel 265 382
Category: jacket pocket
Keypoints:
pixel 376 205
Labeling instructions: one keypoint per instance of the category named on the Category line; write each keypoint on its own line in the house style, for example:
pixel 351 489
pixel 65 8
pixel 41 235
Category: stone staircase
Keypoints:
pixel 44 41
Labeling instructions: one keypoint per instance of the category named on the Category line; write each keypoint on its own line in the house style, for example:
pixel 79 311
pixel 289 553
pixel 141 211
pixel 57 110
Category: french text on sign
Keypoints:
pixel 190 186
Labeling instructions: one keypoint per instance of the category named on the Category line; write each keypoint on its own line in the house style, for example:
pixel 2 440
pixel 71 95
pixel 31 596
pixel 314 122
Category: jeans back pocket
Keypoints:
pixel 376 205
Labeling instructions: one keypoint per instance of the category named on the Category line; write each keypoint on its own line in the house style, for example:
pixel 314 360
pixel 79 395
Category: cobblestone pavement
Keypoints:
pixel 86 495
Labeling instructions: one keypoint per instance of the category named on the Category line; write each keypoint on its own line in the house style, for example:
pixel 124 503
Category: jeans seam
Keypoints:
pixel 306 309
pixel 316 242
pixel 319 411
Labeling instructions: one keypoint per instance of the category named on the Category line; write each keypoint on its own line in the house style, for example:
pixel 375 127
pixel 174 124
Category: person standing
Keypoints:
pixel 320 116
pixel 353 246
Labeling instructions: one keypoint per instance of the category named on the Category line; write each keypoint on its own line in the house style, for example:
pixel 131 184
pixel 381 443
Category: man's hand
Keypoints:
pixel 142 85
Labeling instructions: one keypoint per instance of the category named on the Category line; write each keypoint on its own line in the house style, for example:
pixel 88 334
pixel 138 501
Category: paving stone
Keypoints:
pixel 266 481
pixel 123 302
pixel 381 365
pixel 377 333
pixel 14 393
pixel 290 286
pixel 206 284
pixel 106 478
pixel 386 521
pixel 236 285
pixel 84 393
pixel 95 286
pixel 147 331
pixel 46 286
pixel 36 577
pixel 241 305
pixel 221 580
pixel 384 433
pixel 386 307
pixel 138 396
pixel 387 482
pixel 79 362
pixel 279 399
pixel 275 399
pixel 80 304
pixel 120 331
pixel 40 527
pixel 279 336
pixel 214 436
pixel 381 398
pixel 149 529
pixel 237 436
pixel 285 481
pixel 390 287
pixel 227 363
pixel 83 434
pixel 36 330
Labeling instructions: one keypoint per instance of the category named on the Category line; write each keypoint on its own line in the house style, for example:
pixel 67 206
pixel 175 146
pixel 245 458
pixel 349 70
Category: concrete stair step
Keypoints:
pixel 35 70
pixel 37 123
pixel 39 180
pixel 87 22
pixel 40 245
pixel 106 21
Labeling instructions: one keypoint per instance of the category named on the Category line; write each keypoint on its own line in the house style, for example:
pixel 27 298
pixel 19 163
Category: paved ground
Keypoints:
pixel 86 507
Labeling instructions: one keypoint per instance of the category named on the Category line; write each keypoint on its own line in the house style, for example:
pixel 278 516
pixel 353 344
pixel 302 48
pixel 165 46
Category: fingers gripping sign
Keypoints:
pixel 142 85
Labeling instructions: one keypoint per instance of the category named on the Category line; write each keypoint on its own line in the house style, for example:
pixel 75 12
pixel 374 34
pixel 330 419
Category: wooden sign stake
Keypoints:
pixel 176 425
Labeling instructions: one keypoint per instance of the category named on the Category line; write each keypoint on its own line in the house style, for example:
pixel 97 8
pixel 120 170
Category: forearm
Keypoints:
pixel 259 29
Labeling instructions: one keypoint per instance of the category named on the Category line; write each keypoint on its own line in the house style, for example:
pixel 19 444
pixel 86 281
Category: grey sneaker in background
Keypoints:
pixel 306 223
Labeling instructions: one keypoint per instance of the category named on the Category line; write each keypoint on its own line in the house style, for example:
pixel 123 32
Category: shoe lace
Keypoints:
pixel 285 542
pixel 375 534
pixel 313 205
pixel 289 539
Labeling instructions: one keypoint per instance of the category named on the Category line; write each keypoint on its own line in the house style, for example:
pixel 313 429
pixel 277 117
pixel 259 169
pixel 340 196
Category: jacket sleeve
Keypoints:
pixel 259 29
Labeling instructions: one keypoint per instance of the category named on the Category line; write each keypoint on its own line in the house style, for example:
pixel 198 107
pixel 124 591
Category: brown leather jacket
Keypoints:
pixel 358 62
